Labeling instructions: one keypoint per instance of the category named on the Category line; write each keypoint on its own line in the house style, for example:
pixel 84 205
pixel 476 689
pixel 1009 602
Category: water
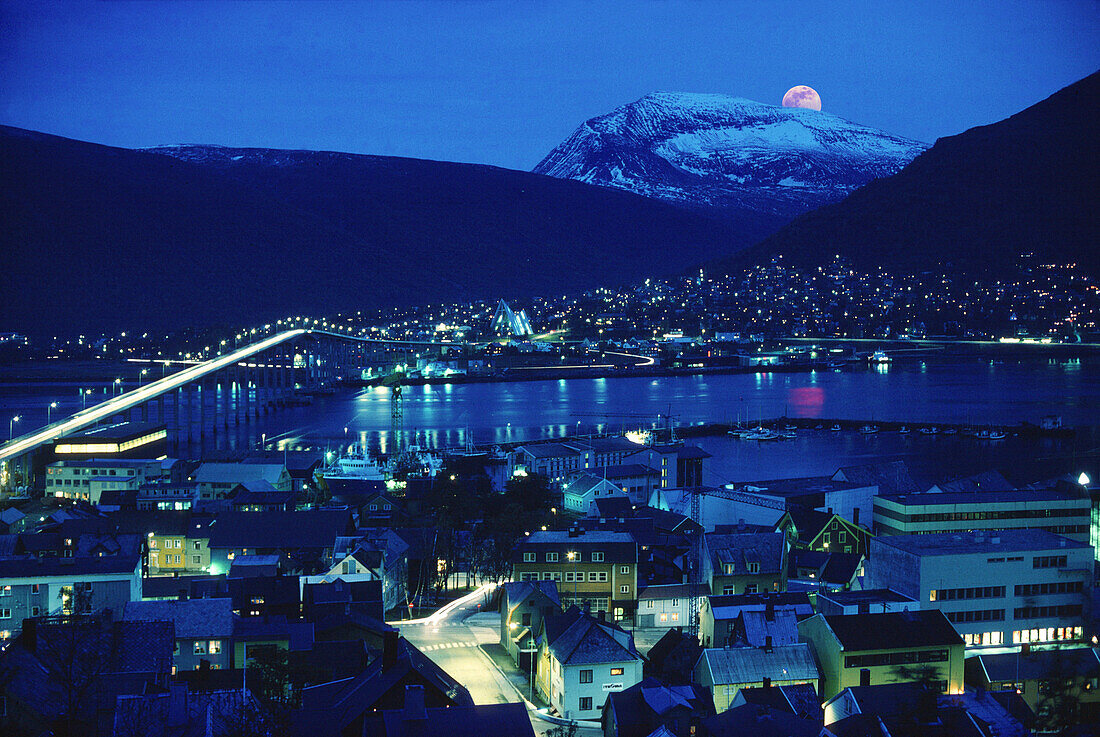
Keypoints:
pixel 941 390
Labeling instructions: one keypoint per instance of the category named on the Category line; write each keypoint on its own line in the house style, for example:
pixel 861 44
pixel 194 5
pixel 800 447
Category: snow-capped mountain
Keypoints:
pixel 728 153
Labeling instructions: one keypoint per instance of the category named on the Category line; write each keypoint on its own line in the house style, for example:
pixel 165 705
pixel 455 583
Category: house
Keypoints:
pixel 825 571
pixel 351 706
pixel 523 606
pixel 721 621
pixel 649 705
pixel 726 670
pixel 637 479
pixel 669 605
pixel 914 710
pixel 1063 683
pixel 744 563
pixel 672 658
pixel 253 636
pixel 871 649
pixel 217 480
pixel 371 554
pixel 800 699
pixel 825 531
pixel 67 576
pixel 580 660
pixel 304 538
pixel 339 596
pixel 166 496
pixel 258 495
pixel 582 492
pixel 998 588
pixel 203 629
pixel 596 569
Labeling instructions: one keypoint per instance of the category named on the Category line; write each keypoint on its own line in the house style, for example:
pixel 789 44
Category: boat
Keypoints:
pixel 997 435
pixel 761 434
pixel 880 357
pixel 904 430
pixel 869 429
pixel 836 365
pixel 359 467
pixel 790 428
pixel 835 428
pixel 929 430
pixel 787 435
pixel 819 427
pixel 950 431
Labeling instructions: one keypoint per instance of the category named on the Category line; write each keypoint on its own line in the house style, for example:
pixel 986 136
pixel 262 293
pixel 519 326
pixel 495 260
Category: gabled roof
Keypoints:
pixel 765 549
pixel 800 699
pixel 753 664
pixel 515 592
pixel 760 721
pixel 727 607
pixel 234 473
pixel 312 529
pixel 891 477
pixel 892 630
pixel 577 638
pixel 549 450
pixel 782 627
pixel 587 483
pixel 193 618
pixel 642 708
pixel 984 481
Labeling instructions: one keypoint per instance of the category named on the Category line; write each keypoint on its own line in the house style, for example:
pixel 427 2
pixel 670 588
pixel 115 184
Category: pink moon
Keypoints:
pixel 802 96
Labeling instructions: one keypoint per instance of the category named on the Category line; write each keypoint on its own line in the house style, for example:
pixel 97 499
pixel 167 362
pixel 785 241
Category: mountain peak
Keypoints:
pixel 727 153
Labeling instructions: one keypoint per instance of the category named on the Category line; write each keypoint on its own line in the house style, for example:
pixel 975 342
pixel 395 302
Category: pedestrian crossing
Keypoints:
pixel 447 646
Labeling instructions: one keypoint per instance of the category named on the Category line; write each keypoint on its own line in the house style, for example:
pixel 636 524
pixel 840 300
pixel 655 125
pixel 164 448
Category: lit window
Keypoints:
pixel 616 671
pixel 215 647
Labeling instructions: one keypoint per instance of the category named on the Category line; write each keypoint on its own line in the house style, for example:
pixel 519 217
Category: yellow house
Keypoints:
pixel 872 649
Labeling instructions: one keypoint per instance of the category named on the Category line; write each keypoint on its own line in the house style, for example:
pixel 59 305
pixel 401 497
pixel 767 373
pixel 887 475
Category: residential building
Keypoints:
pixel 721 616
pixel 178 544
pixel 669 605
pixel 581 493
pixel 872 649
pixel 597 569
pixel 649 705
pixel 1063 509
pixel 305 538
pixel 203 629
pixel 217 480
pixel 258 495
pixel 637 479
pixel 826 532
pixel 999 589
pixel 726 670
pixel 163 496
pixel 581 659
pixel 523 606
pixel 744 563
pixel 455 721
pixel 557 461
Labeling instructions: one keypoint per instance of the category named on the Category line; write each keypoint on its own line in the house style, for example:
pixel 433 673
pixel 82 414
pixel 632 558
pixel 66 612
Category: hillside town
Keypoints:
pixel 588 584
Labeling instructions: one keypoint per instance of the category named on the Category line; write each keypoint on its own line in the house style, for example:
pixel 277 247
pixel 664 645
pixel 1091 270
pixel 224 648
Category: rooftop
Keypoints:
pixel 753 664
pixel 982 497
pixel 979 542
pixel 119 432
pixel 850 598
pixel 193 618
pixel 890 631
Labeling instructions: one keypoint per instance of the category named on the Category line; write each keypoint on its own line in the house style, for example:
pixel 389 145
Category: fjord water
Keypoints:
pixel 957 390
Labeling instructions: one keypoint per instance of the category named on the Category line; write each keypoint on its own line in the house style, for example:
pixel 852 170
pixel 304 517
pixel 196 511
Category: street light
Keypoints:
pixel 52 406
pixel 144 372
pixel 118 383
pixel 84 398
pixel 11 427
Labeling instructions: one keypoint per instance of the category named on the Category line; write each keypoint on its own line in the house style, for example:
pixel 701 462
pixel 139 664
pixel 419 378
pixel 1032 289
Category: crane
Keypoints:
pixel 397 419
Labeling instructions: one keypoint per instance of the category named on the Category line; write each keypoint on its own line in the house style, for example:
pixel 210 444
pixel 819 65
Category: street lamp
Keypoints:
pixel 11 427
pixel 144 372
pixel 84 398
pixel 118 383
pixel 52 406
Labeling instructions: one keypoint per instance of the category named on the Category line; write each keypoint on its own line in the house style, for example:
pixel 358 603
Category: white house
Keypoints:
pixel 669 605
pixel 581 493
pixel 581 660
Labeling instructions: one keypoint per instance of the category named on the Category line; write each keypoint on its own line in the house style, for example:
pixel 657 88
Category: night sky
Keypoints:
pixel 503 82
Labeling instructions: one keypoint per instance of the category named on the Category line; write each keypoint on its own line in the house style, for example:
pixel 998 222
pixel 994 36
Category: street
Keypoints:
pixel 451 636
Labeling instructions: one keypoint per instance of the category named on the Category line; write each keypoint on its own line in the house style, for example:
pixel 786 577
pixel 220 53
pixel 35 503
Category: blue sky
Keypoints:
pixel 504 82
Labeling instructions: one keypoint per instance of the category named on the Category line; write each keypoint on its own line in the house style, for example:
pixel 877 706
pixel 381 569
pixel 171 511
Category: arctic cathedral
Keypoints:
pixel 506 322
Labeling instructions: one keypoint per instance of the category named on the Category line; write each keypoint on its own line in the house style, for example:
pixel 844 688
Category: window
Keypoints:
pixel 525 619
pixel 751 588
pixel 624 570
pixel 196 544
pixel 35 611
pixel 528 557
pixel 196 559
pixel 34 588
pixel 573 577
pixel 215 647
pixel 727 591
pixel 663 617
pixel 624 589
pixel 5 590
pixel 616 671
pixel 200 647
pixel 5 613
pixel 675 616
pixel 586 703
pixel 754 568
pixel 551 557
pixel 675 602
pixel 586 676
pixel 597 576
pixel 597 557
pixel 1048 561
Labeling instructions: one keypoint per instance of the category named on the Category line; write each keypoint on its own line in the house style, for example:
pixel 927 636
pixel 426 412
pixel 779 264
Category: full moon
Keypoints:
pixel 802 96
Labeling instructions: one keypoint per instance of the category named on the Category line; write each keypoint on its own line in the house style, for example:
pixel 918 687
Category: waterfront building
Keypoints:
pixel 86 480
pixel 874 649
pixel 122 440
pixel 596 570
pixel 581 494
pixel 217 480
pixel 1000 589
pixel 1063 509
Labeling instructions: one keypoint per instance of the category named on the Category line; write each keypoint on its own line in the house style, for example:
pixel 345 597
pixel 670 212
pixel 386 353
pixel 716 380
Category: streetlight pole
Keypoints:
pixel 118 383
pixel 11 427
pixel 144 372
pixel 52 406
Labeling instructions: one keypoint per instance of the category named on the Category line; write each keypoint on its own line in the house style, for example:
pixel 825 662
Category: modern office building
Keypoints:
pixel 999 589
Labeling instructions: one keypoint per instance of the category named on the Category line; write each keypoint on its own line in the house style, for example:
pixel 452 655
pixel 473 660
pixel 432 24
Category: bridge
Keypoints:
pixel 245 382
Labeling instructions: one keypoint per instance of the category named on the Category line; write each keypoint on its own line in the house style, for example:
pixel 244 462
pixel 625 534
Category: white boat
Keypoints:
pixel 835 428
pixel 761 434
pixel 356 467
pixel 928 430
pixel 904 430
pixel 869 429
pixel 997 435
pixel 880 357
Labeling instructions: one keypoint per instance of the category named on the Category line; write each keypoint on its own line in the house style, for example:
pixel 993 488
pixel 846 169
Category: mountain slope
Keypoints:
pixel 101 238
pixel 975 200
pixel 749 161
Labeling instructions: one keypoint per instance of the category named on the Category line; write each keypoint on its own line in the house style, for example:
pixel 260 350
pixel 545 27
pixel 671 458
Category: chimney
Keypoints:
pixel 601 615
pixel 769 611
pixel 574 532
pixel 864 676
pixel 30 634
pixel 768 644
pixel 390 645
pixel 414 704
pixel 767 682
pixel 855 516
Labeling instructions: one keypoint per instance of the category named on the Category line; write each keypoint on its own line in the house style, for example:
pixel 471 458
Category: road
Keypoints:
pixel 451 636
